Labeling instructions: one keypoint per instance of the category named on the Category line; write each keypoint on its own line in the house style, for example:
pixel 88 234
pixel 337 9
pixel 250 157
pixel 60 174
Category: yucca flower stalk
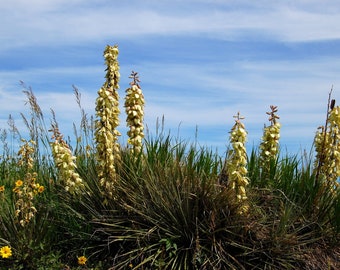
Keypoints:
pixel 134 107
pixel 25 154
pixel 107 112
pixel 269 147
pixel 237 162
pixel 327 147
pixel 65 162
pixel 25 190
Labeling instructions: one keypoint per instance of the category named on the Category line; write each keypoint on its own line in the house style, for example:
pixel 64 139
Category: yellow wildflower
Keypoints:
pixel 2 188
pixel 5 252
pixel 82 260
pixel 19 183
pixel 41 189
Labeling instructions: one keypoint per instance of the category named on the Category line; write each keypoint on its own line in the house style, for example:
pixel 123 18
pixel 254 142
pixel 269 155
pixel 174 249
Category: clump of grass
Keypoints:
pixel 172 212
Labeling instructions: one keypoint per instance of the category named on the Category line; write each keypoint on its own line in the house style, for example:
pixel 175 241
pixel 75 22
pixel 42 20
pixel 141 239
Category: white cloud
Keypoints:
pixel 37 22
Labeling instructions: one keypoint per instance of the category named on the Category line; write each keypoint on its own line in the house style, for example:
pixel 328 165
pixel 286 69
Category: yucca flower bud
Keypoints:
pixel 134 107
pixel 107 112
pixel 65 162
pixel 237 162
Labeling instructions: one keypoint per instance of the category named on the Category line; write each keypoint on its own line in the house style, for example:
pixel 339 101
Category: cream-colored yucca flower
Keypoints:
pixel 237 162
pixel 269 147
pixel 327 147
pixel 134 107
pixel 107 113
pixel 26 154
pixel 65 162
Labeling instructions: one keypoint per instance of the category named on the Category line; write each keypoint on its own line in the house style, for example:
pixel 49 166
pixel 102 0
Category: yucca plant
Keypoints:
pixel 172 213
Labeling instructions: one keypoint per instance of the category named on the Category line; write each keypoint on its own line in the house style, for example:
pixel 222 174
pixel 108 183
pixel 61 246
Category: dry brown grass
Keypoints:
pixel 321 257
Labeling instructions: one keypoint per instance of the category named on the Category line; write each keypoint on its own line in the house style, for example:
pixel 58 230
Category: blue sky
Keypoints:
pixel 200 62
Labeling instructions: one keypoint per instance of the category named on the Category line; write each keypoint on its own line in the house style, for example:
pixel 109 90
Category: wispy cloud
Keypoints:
pixel 200 61
pixel 54 22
